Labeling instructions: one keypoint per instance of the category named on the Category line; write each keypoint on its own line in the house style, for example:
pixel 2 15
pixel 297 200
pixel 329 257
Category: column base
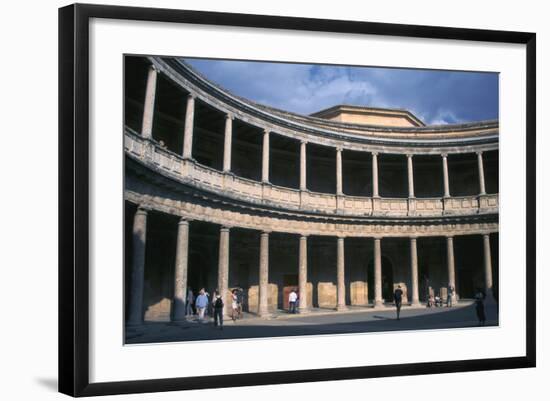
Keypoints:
pixel 264 314
pixel 341 308
pixel 305 310
pixel 379 305
pixel 416 305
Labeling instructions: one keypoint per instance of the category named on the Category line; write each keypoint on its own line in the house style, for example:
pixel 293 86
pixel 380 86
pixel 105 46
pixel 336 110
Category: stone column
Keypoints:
pixel 180 271
pixel 375 175
pixel 340 277
pixel 265 157
pixel 451 265
pixel 188 132
pixel 223 264
pixel 481 173
pixel 414 273
pixel 378 273
pixel 149 104
pixel 228 136
pixel 264 275
pixel 302 274
pixel 488 268
pixel 135 315
pixel 339 171
pixel 410 175
pixel 447 193
pixel 303 183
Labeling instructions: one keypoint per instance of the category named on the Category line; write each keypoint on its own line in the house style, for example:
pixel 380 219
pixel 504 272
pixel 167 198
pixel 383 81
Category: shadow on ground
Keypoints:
pixel 422 319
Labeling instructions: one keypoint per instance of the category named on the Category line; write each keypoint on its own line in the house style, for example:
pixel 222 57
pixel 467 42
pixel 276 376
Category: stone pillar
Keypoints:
pixel 303 183
pixel 447 193
pixel 264 275
pixel 265 157
pixel 340 277
pixel 481 173
pixel 302 275
pixel 375 175
pixel 451 265
pixel 180 271
pixel 228 137
pixel 414 273
pixel 149 104
pixel 223 264
pixel 339 171
pixel 378 273
pixel 410 175
pixel 135 315
pixel 488 269
pixel 188 132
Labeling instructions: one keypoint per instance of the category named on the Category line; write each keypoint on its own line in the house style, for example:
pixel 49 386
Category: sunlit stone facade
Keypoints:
pixel 342 205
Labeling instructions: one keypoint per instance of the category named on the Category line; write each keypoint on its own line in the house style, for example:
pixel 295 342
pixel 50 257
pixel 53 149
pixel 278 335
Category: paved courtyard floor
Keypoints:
pixel 355 320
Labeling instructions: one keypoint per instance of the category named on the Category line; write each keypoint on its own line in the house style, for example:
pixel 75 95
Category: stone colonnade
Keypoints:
pixel 181 268
pixel 187 151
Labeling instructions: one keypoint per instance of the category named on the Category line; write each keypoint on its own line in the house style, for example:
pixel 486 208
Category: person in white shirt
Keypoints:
pixel 292 298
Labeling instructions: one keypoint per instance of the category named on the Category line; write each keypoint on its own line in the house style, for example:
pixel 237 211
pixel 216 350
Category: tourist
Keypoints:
pixel 292 297
pixel 201 303
pixel 450 291
pixel 218 311
pixel 480 307
pixel 431 301
pixel 189 302
pixel 438 301
pixel 397 297
pixel 240 302
pixel 234 305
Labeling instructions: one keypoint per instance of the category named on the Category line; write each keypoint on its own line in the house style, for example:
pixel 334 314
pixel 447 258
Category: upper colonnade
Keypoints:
pixel 374 141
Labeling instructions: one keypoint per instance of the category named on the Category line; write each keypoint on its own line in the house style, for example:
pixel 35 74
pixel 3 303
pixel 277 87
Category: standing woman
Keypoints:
pixel 234 305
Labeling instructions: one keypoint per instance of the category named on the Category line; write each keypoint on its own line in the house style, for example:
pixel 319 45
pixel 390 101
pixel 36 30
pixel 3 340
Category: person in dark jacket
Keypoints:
pixel 218 311
pixel 397 297
pixel 480 307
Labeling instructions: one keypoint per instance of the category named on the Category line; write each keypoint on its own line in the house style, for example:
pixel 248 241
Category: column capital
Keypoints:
pixel 449 237
pixel 191 95
pixel 444 155
pixel 304 236
pixel 413 237
pixel 374 153
pixel 142 209
pixel 303 141
pixel 153 67
pixel 409 155
pixel 266 131
pixel 378 237
pixel 339 148
pixel 229 116
pixel 183 220
pixel 263 233
pixel 479 152
pixel 225 228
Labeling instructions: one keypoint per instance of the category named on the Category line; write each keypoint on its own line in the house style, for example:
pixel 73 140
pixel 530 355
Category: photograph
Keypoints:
pixel 279 199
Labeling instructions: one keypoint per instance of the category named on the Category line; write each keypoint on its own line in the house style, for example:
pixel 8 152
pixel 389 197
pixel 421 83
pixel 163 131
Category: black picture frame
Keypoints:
pixel 74 198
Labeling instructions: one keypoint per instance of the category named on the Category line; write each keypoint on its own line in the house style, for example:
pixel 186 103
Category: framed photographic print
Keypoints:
pixel 296 199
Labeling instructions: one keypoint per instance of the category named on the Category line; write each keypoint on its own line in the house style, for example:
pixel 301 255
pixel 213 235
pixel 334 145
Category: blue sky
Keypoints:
pixel 436 97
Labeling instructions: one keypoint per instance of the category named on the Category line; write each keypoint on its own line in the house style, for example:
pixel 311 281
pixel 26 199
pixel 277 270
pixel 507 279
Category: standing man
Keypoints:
pixel 218 311
pixel 397 297
pixel 201 303
pixel 450 291
pixel 292 298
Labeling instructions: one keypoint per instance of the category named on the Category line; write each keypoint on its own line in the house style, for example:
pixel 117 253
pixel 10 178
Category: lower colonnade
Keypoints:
pixel 265 297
